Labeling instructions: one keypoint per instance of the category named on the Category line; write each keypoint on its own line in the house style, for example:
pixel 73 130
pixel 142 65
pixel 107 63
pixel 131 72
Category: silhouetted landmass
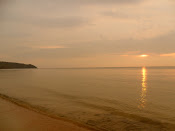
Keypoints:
pixel 11 65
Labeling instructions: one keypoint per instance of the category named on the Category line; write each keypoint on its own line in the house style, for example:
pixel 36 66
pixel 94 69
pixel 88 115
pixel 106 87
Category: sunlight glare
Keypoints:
pixel 144 89
pixel 143 56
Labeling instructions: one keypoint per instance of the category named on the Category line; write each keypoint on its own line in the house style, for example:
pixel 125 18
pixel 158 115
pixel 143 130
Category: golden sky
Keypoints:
pixel 88 33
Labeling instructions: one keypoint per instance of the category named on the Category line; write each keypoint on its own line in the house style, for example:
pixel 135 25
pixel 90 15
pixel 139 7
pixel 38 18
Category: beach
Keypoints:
pixel 16 118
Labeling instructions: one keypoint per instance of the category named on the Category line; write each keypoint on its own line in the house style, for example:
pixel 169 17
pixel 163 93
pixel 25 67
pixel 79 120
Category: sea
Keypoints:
pixel 107 99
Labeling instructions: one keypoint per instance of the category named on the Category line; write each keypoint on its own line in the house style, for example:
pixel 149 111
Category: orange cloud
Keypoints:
pixel 124 55
pixel 170 54
pixel 49 47
pixel 144 55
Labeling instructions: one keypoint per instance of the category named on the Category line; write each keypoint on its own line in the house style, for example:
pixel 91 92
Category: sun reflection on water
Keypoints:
pixel 142 100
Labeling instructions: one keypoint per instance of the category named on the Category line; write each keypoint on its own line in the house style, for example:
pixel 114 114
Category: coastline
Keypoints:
pixel 18 118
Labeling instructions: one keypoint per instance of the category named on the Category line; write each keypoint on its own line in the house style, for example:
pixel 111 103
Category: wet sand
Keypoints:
pixel 16 118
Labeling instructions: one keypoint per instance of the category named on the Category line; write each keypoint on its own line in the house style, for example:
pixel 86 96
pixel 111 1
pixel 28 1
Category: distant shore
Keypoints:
pixel 16 118
pixel 13 65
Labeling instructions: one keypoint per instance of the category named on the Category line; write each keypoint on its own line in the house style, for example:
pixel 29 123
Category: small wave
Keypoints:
pixel 42 110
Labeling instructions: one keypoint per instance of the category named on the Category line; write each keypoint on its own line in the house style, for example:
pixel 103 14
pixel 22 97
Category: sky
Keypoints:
pixel 88 33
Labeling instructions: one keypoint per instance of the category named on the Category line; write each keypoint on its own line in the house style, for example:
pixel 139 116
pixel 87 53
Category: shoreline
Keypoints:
pixel 56 123
pixel 16 117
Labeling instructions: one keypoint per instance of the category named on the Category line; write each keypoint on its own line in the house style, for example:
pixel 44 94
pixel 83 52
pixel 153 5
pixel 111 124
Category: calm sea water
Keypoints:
pixel 105 98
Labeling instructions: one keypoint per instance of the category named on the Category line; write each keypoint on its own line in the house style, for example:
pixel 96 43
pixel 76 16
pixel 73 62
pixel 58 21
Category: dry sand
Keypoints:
pixel 16 118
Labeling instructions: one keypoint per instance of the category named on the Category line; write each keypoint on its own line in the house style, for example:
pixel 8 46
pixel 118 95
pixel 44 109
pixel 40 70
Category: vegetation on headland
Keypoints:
pixel 12 65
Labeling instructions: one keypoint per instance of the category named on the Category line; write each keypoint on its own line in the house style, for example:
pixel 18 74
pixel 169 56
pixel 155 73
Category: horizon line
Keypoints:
pixel 104 67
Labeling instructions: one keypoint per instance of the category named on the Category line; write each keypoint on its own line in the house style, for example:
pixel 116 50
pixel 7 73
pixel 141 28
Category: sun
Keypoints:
pixel 143 55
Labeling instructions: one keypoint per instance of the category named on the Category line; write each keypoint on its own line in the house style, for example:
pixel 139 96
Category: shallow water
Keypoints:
pixel 103 98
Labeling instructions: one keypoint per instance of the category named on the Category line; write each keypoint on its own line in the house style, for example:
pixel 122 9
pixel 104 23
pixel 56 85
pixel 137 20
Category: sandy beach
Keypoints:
pixel 16 118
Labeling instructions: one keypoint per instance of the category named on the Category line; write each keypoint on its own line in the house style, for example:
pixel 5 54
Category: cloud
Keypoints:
pixel 2 2
pixel 3 5
pixel 49 47
pixel 45 13
pixel 153 47
pixel 169 54
pixel 54 13
pixel 89 2
pixel 124 55
pixel 105 1
pixel 118 14
pixel 60 22
pixel 47 21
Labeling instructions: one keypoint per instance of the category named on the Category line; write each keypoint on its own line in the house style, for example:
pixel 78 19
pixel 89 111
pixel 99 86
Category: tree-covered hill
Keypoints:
pixel 11 65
